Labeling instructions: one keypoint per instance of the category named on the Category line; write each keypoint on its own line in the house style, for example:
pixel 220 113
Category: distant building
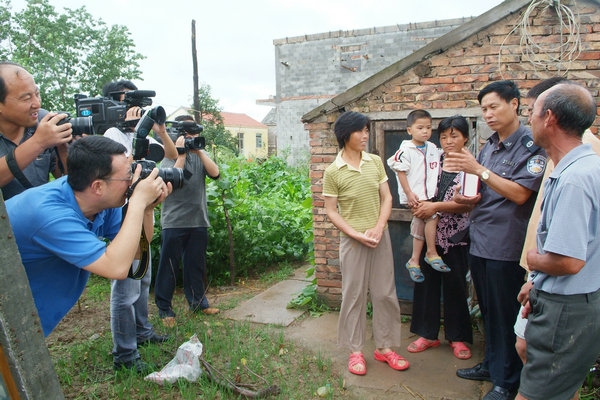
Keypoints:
pixel 252 136
pixel 312 69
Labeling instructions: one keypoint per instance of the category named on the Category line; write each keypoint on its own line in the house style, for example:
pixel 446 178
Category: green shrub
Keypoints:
pixel 269 208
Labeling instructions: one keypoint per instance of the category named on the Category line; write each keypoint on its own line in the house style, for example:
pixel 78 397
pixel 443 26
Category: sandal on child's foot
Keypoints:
pixel 415 272
pixel 357 364
pixel 437 263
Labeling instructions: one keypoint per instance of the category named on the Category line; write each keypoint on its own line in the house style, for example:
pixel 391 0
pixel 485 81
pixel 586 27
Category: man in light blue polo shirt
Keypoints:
pixel 564 304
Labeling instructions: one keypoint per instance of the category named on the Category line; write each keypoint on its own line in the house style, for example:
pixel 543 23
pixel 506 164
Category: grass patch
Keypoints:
pixel 245 353
pixel 276 275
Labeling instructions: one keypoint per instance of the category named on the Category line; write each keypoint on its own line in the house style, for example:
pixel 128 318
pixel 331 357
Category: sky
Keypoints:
pixel 234 38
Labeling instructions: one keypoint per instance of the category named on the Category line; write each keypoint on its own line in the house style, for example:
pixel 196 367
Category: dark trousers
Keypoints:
pixel 497 284
pixel 189 244
pixel 452 288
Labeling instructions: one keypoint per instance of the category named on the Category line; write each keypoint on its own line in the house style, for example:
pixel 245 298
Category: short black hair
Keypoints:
pixel 184 117
pixel 414 115
pixel 90 158
pixel 457 122
pixel 544 85
pixel 506 90
pixel 348 123
pixel 111 88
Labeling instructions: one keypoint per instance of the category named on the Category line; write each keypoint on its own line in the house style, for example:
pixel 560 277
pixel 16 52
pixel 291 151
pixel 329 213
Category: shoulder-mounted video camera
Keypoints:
pixel 107 113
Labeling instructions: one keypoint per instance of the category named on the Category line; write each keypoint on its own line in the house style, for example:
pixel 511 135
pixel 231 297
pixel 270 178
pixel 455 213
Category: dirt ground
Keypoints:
pixel 91 315
pixel 90 318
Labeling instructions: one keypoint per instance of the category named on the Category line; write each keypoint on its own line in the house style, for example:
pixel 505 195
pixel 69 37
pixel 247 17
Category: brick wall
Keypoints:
pixel 449 80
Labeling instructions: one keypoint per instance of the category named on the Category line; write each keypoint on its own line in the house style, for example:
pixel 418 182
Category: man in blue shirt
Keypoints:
pixel 510 168
pixel 564 304
pixel 59 227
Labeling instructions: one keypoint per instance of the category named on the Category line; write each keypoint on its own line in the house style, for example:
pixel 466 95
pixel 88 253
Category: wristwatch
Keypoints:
pixel 485 175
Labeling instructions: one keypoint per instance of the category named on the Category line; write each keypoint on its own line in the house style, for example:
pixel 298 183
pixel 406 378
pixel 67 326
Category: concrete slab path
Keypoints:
pixel 432 374
pixel 270 306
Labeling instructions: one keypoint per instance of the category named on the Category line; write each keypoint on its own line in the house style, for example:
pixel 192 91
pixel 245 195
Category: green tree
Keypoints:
pixel 209 116
pixel 67 53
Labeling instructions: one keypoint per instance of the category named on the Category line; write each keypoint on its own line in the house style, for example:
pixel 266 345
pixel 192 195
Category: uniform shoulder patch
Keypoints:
pixel 536 165
pixel 527 141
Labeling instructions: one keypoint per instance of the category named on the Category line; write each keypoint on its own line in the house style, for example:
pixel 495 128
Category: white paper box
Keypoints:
pixel 470 185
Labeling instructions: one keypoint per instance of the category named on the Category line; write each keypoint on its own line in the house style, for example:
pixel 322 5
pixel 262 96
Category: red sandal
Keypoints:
pixel 354 360
pixel 422 344
pixel 392 359
pixel 461 351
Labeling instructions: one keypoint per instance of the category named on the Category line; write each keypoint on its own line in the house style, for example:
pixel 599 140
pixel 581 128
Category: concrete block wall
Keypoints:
pixel 449 80
pixel 311 69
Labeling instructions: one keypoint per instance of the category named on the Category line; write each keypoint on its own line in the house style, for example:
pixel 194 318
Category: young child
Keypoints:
pixel 417 164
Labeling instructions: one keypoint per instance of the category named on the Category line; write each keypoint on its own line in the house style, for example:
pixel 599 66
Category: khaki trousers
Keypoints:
pixel 368 271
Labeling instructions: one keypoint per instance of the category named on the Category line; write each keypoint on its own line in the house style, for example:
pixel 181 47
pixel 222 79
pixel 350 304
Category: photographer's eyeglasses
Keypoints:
pixel 120 179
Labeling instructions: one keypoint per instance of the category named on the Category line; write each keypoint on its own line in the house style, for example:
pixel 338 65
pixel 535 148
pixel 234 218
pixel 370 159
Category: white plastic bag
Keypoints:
pixel 186 364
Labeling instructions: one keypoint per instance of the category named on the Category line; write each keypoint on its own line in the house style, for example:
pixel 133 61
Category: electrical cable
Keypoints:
pixel 547 54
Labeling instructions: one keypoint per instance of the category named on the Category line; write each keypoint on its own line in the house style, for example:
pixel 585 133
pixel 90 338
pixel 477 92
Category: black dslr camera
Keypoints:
pixel 107 113
pixel 142 149
pixel 179 128
pixel 80 125
pixel 173 175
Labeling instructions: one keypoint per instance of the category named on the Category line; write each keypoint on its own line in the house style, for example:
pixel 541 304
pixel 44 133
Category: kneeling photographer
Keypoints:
pixel 129 322
pixel 60 227
pixel 185 226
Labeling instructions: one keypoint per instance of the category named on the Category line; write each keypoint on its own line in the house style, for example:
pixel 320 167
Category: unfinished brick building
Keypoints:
pixel 519 40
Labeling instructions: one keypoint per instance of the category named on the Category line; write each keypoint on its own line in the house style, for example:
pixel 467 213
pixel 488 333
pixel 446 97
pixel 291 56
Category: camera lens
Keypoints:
pixel 196 143
pixel 173 175
pixel 81 125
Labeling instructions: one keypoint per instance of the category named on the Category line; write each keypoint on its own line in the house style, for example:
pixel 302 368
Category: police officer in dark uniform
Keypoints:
pixel 510 167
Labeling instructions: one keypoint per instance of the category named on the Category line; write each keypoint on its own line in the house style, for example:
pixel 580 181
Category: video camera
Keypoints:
pixel 107 112
pixel 179 128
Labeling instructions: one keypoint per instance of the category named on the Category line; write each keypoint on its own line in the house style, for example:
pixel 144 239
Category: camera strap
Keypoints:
pixel 142 268
pixel 144 259
pixel 16 171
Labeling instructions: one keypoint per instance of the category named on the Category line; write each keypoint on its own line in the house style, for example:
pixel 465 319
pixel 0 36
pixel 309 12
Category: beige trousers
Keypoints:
pixel 368 271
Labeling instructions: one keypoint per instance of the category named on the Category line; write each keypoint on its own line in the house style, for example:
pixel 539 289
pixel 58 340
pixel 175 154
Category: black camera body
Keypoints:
pixel 141 144
pixel 179 128
pixel 173 175
pixel 107 113
pixel 197 143
pixel 80 125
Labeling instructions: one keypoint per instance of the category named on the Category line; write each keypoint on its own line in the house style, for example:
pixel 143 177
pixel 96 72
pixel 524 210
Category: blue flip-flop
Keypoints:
pixel 415 272
pixel 438 264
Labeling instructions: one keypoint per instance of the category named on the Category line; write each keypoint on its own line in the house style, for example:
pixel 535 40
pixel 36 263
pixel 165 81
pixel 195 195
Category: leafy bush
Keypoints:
pixel 267 205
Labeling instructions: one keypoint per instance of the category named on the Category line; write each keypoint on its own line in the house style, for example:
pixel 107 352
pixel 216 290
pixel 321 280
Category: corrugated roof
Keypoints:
pixel 240 120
